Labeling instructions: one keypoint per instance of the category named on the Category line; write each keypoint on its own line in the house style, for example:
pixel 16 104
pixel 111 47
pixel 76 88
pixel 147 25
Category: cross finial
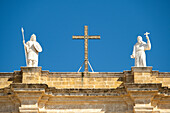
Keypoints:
pixel 86 37
pixel 146 33
pixel 85 30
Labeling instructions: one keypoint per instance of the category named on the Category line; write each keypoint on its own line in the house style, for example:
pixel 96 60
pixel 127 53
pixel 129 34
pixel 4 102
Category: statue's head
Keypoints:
pixel 33 37
pixel 139 39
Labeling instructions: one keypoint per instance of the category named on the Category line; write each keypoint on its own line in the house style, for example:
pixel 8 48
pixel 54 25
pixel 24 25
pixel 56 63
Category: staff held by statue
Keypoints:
pixel 24 43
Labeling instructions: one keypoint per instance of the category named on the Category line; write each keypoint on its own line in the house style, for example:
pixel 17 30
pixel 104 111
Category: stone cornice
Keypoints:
pixel 122 90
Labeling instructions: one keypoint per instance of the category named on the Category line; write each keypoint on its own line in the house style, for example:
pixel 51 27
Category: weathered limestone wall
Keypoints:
pixel 87 104
pixel 84 80
pixel 31 90
pixel 71 79
pixel 80 80
pixel 5 79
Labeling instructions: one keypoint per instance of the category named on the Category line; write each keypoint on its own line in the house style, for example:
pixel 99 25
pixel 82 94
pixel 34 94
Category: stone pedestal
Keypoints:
pixel 143 101
pixel 142 74
pixel 142 96
pixel 31 74
pixel 29 101
pixel 29 96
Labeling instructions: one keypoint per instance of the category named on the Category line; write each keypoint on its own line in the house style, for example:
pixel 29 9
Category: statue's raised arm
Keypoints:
pixel 148 45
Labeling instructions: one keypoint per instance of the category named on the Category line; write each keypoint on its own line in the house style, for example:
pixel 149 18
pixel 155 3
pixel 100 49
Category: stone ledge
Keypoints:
pixel 82 74
pixel 6 74
pixel 86 92
pixel 30 69
pixel 121 90
pixel 29 90
pixel 25 85
pixel 73 111
pixel 164 75
pixel 143 86
pixel 141 69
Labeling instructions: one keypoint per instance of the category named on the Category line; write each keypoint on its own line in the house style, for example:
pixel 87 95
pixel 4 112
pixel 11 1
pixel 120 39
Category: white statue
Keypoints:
pixel 139 51
pixel 32 48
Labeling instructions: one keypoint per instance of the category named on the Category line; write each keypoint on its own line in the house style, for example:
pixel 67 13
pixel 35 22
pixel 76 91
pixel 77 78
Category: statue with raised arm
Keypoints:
pixel 139 51
pixel 32 48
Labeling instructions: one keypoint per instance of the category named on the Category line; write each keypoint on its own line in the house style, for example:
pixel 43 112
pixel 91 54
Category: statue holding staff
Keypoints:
pixel 32 48
pixel 139 51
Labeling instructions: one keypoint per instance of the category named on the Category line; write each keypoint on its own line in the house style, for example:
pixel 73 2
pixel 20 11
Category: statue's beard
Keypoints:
pixel 141 42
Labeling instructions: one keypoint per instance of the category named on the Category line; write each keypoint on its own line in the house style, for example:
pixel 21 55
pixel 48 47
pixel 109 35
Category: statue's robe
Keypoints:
pixel 32 50
pixel 139 53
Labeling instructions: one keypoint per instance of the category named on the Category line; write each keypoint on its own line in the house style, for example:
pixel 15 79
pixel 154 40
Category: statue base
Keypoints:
pixel 31 74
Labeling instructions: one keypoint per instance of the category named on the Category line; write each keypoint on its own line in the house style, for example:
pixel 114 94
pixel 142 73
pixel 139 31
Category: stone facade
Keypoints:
pixel 32 90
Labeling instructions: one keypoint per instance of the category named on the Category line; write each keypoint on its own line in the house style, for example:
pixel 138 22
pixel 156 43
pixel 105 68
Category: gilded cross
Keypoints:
pixel 86 37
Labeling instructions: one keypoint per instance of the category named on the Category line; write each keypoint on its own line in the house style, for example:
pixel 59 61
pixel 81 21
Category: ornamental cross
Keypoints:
pixel 86 37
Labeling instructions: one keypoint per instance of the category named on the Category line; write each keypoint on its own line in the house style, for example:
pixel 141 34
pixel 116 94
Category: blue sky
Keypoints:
pixel 54 22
